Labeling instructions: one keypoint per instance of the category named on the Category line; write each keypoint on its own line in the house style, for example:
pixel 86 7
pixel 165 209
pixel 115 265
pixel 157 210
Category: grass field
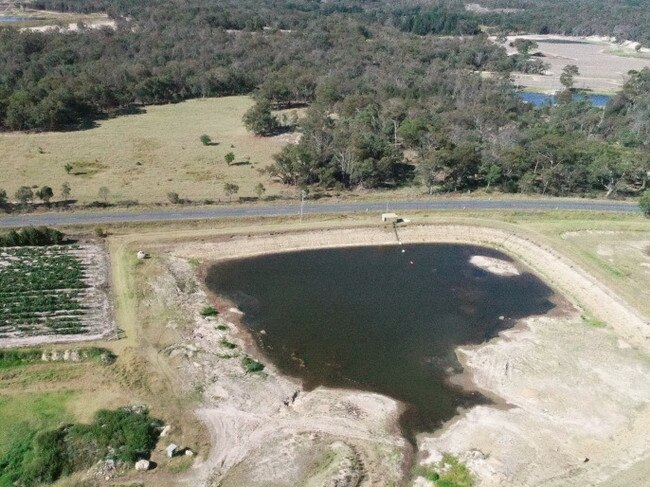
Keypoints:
pixel 22 413
pixel 144 156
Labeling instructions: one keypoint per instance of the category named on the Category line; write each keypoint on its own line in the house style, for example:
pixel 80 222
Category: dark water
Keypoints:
pixel 377 319
pixel 14 19
pixel 541 99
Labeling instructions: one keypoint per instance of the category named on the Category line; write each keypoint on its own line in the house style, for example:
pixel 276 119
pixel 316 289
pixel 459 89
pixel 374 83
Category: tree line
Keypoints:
pixel 479 136
pixel 622 19
pixel 167 51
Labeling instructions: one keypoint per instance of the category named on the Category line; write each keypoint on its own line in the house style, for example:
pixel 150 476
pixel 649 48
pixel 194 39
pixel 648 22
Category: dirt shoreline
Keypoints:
pixel 565 403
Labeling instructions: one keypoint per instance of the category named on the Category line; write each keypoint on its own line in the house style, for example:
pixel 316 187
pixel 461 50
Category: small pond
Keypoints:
pixel 541 99
pixel 384 319
pixel 15 19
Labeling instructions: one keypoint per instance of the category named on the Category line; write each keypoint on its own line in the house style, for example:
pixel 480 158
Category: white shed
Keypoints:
pixel 389 217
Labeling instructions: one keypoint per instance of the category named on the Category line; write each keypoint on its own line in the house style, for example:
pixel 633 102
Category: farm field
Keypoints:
pixel 603 65
pixel 145 156
pixel 180 362
pixel 52 293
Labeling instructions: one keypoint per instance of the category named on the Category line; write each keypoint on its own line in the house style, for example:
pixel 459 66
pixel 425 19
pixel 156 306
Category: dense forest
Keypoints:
pixel 471 134
pixel 388 102
pixel 622 19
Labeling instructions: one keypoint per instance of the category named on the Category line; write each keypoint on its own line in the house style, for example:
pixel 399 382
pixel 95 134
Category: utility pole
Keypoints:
pixel 303 195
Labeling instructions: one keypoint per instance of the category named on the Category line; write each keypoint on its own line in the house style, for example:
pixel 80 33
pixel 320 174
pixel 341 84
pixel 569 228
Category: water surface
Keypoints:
pixel 377 318
pixel 541 99
pixel 14 19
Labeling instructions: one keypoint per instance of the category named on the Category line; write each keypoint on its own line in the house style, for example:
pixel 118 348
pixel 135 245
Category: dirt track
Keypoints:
pixel 578 395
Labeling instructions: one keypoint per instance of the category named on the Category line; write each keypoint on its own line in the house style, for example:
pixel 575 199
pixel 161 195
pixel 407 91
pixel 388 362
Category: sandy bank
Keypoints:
pixel 73 26
pixel 495 266
pixel 603 63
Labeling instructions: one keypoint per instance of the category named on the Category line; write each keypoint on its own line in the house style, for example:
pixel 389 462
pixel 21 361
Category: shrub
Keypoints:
pixel 30 236
pixel 24 194
pixel 65 191
pixel 455 474
pixel 259 190
pixel 45 194
pixel 205 139
pixel 260 120
pixel 251 365
pixel 49 459
pixel 100 232
pixel 124 433
pixel 225 343
pixel 16 358
pixel 101 355
pixel 209 311
pixel 229 158
pixel 43 457
pixel 103 193
pixel 644 203
pixel 173 198
pixel 230 189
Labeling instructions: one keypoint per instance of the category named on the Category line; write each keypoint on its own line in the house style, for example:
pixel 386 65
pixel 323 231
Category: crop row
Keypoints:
pixel 42 291
pixel 49 325
pixel 17 277
pixel 36 303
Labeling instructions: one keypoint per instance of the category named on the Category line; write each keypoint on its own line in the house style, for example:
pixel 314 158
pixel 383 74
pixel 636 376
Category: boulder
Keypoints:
pixel 141 255
pixel 171 450
pixel 142 465
pixel 165 431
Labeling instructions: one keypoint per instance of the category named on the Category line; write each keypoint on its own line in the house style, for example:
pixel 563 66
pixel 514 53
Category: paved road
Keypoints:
pixel 70 218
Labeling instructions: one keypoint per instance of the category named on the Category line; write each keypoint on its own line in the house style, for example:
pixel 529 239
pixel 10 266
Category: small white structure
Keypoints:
pixel 141 255
pixel 171 450
pixel 389 217
pixel 142 465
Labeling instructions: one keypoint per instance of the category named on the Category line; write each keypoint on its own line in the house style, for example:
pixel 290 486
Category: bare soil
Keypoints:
pixel 603 64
